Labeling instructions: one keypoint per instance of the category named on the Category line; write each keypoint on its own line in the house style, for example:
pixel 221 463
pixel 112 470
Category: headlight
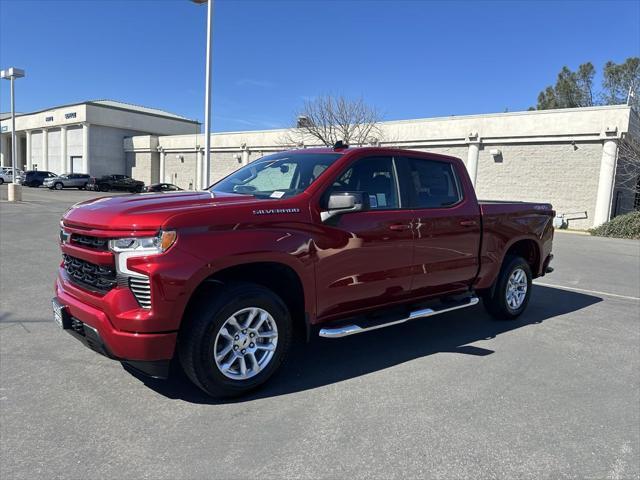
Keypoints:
pixel 144 245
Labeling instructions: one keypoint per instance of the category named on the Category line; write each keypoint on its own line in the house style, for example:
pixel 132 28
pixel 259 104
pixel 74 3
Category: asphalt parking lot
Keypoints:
pixel 553 394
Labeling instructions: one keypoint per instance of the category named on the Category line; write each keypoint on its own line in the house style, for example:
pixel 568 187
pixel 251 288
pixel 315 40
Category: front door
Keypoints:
pixel 364 258
pixel 447 227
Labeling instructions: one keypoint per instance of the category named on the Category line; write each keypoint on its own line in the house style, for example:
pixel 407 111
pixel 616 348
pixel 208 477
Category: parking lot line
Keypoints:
pixel 584 290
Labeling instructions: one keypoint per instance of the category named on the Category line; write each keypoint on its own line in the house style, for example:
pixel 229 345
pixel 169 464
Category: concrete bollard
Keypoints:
pixel 14 192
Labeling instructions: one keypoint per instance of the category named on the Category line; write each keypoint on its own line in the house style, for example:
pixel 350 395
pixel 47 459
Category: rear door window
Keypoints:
pixel 433 184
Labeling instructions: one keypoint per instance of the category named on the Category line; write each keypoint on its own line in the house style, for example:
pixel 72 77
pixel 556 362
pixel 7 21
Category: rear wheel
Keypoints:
pixel 512 290
pixel 232 344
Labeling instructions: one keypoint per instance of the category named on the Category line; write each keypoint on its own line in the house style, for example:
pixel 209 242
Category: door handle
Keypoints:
pixel 399 227
pixel 468 223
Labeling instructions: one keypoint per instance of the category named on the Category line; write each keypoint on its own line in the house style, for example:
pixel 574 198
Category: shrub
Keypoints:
pixel 623 226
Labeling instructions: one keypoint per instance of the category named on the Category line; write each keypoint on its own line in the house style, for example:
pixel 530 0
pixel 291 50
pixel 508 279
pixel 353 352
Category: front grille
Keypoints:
pixel 141 289
pixel 96 243
pixel 89 275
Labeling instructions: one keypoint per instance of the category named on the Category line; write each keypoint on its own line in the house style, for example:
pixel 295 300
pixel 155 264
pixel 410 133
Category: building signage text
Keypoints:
pixel 49 119
pixel 70 115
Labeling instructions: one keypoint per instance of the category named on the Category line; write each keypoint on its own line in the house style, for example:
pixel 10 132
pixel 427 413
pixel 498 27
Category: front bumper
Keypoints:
pixel 103 337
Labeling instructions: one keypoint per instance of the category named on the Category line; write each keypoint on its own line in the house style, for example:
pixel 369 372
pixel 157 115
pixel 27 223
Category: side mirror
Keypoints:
pixel 344 202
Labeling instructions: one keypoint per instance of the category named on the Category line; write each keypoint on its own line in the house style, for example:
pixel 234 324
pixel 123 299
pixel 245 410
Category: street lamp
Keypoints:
pixel 206 162
pixel 14 189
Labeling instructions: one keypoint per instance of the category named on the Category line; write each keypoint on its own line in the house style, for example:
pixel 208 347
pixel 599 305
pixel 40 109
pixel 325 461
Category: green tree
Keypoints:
pixel 576 89
pixel 572 89
pixel 618 78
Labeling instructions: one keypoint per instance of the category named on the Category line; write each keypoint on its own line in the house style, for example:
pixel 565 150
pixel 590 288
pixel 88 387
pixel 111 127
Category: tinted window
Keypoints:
pixel 433 184
pixel 375 176
pixel 276 176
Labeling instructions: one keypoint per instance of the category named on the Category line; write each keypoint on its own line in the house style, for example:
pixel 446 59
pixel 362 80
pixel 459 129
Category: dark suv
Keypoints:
pixel 115 182
pixel 35 178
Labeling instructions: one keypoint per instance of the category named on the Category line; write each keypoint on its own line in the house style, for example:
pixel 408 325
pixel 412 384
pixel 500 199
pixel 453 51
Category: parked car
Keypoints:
pixel 35 178
pixel 5 177
pixel 162 187
pixel 115 182
pixel 6 174
pixel 68 180
pixel 333 242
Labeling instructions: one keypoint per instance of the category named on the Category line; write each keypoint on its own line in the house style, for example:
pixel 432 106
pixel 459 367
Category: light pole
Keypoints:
pixel 14 189
pixel 206 159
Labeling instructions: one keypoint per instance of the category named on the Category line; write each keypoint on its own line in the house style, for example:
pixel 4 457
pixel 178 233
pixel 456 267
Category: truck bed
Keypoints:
pixel 497 207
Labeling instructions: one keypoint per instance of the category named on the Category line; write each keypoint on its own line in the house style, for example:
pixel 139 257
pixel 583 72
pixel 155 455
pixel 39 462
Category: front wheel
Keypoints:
pixel 512 290
pixel 103 188
pixel 232 344
pixel 58 186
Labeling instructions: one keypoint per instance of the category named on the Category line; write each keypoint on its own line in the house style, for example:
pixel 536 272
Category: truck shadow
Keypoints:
pixel 326 361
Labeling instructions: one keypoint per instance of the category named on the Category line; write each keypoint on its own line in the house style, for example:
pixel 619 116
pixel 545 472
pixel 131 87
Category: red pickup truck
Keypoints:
pixel 328 242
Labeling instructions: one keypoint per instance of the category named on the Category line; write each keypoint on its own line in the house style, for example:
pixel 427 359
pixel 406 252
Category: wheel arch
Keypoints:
pixel 527 248
pixel 277 276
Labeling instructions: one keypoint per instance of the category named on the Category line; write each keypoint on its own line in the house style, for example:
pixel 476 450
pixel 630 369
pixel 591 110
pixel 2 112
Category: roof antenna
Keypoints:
pixel 339 145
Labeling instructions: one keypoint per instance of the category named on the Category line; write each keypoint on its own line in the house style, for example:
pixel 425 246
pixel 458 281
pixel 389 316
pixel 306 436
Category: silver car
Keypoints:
pixel 68 180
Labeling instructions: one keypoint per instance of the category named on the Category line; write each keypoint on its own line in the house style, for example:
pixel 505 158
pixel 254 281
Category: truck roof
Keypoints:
pixel 370 150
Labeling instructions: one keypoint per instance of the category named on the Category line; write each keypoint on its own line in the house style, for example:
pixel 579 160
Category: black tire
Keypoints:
pixel 196 345
pixel 83 187
pixel 1 181
pixel 103 188
pixel 58 186
pixel 495 299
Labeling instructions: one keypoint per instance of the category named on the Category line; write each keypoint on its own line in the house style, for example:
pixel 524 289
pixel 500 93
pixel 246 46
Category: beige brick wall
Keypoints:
pixel 143 166
pixel 555 173
pixel 180 169
pixel 455 151
pixel 222 164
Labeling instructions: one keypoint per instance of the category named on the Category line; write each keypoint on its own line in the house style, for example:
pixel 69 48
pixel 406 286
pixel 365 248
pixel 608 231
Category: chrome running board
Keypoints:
pixel 353 329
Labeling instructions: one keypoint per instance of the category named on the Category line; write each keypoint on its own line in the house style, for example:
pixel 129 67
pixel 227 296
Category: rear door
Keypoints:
pixel 364 258
pixel 447 226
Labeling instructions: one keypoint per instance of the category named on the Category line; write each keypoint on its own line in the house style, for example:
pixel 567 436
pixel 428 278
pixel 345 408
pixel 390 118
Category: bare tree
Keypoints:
pixel 328 119
pixel 629 165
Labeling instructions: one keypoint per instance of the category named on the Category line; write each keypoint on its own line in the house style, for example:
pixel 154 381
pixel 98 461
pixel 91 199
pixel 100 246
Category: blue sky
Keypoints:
pixel 408 58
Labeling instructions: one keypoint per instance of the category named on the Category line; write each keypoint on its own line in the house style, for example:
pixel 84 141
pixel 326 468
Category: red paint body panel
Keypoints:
pixel 360 262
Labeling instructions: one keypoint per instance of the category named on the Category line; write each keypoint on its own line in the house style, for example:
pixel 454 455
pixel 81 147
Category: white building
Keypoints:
pixel 567 157
pixel 84 137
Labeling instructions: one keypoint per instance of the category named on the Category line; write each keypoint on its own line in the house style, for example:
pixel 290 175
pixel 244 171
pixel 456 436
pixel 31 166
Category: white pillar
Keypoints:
pixel 85 148
pixel 199 163
pixel 4 151
pixel 472 160
pixel 163 163
pixel 19 151
pixel 606 182
pixel 29 162
pixel 45 150
pixel 245 156
pixel 64 161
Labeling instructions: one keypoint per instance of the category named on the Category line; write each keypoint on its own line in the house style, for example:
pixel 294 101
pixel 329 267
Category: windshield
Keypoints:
pixel 281 175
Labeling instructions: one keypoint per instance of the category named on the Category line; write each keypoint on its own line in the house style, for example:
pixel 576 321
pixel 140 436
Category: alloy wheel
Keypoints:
pixel 516 289
pixel 246 343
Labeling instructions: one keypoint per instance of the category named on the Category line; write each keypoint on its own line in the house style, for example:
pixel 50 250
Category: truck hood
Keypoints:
pixel 147 211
